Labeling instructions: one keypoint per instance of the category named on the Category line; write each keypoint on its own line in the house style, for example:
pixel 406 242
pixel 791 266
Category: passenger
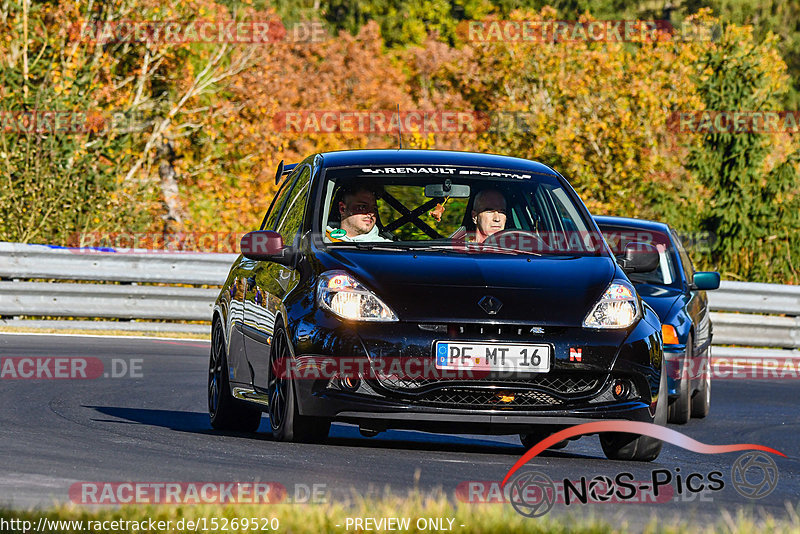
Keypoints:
pixel 488 214
pixel 358 213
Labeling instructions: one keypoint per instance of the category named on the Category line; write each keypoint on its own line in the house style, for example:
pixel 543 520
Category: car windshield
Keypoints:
pixel 454 209
pixel 665 274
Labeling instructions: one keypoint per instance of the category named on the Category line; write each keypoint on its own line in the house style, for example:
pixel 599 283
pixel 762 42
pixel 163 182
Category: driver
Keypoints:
pixel 488 214
pixel 358 213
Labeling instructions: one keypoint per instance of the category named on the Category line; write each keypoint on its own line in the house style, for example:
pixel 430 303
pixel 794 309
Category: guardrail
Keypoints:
pixel 746 314
pixel 119 294
pixel 755 315
pixel 61 263
pixel 756 330
pixel 747 297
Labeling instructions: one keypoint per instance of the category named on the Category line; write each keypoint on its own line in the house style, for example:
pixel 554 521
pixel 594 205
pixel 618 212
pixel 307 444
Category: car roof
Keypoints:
pixel 626 222
pixel 345 158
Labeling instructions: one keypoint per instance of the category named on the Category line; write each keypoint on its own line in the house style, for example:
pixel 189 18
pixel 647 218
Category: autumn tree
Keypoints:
pixel 343 73
pixel 54 184
pixel 754 212
pixel 597 112
pixel 137 99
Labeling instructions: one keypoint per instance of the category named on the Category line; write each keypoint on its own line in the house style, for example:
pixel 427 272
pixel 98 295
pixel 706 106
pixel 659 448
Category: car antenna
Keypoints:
pixel 399 129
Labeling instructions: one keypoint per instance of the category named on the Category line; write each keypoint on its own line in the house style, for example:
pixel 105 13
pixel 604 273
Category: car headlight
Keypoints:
pixel 617 308
pixel 343 295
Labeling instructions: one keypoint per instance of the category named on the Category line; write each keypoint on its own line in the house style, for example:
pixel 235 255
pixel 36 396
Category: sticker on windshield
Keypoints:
pixel 411 170
pixel 445 170
pixel 496 173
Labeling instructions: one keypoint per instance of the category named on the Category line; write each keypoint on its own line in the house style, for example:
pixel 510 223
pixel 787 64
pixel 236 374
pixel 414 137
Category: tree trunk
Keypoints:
pixel 169 185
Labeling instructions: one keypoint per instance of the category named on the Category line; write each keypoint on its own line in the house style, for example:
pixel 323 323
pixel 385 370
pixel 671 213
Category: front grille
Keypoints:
pixel 561 384
pixel 476 399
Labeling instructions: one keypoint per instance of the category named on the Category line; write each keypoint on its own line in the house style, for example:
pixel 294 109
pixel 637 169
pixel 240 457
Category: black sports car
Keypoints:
pixel 439 291
pixel 678 294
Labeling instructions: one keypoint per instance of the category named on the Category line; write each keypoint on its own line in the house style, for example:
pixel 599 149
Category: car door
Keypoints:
pixel 268 282
pixel 239 368
pixel 697 307
pixel 238 372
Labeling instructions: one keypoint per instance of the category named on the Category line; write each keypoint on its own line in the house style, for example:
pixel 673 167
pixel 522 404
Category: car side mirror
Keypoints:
pixel 266 245
pixel 705 280
pixel 639 258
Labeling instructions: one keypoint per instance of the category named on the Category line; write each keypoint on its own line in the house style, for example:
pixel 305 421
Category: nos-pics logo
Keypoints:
pixel 754 474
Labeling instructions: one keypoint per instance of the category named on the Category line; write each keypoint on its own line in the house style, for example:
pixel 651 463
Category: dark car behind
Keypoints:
pixel 678 294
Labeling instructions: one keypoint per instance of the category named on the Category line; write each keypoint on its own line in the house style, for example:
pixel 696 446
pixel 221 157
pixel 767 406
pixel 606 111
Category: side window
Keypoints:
pixel 568 214
pixel 277 204
pixel 291 217
pixel 688 267
pixel 543 205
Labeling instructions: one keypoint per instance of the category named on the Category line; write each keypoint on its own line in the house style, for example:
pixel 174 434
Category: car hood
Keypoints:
pixel 660 298
pixel 440 287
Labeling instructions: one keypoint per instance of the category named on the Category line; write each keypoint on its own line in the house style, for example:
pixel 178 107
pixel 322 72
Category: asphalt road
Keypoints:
pixel 153 427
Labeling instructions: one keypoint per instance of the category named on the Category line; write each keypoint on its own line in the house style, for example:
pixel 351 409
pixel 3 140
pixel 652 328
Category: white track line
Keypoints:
pixel 103 336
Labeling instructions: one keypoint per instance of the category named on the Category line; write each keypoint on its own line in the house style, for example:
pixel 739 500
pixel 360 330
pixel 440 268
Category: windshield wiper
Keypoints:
pixel 496 248
pixel 376 246
pixel 471 248
pixel 434 248
pixel 396 247
pixel 443 247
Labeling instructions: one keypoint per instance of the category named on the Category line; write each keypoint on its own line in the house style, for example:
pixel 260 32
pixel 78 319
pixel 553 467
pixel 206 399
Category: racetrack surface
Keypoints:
pixel 154 427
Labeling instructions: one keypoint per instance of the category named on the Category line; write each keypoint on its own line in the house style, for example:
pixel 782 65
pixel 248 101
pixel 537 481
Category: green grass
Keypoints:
pixel 332 517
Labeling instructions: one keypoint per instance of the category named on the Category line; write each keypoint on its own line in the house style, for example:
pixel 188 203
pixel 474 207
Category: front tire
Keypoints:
pixel 680 410
pixel 225 412
pixel 621 446
pixel 701 402
pixel 284 417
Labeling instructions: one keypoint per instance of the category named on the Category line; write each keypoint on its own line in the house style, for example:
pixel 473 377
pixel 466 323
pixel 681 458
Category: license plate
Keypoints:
pixel 493 356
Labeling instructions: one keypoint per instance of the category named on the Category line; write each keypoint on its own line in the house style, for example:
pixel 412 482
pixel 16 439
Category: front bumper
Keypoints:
pixel 573 391
pixel 381 414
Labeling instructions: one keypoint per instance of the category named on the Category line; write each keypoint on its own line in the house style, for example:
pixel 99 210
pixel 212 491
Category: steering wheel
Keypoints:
pixel 514 239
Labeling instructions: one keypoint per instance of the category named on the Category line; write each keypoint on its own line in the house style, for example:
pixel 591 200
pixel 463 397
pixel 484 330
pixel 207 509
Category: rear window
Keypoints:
pixel 666 273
